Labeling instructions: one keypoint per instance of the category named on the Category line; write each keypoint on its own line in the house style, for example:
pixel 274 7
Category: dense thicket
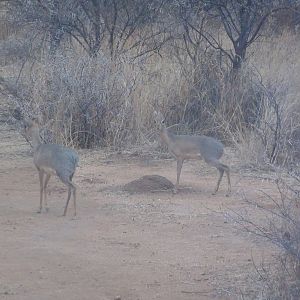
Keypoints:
pixel 94 70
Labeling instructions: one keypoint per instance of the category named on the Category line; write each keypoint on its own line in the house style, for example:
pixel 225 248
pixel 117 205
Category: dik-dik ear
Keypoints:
pixel 158 116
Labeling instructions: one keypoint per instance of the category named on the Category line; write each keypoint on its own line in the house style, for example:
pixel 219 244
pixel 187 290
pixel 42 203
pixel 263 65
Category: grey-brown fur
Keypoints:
pixel 52 159
pixel 184 147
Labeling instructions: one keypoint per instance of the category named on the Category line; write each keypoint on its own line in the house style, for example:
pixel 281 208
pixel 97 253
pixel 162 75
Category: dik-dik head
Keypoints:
pixel 31 128
pixel 159 119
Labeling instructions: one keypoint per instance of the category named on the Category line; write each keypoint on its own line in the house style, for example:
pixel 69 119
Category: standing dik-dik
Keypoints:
pixel 184 147
pixel 50 159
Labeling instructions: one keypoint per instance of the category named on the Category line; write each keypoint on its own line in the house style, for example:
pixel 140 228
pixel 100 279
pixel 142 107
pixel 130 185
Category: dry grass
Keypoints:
pixel 90 102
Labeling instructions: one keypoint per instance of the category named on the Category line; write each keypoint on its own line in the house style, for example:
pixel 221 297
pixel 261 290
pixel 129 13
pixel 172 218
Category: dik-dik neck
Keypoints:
pixel 166 135
pixel 36 139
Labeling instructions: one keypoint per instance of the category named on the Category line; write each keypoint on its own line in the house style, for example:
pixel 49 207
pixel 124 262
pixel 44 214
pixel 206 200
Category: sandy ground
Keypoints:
pixel 137 246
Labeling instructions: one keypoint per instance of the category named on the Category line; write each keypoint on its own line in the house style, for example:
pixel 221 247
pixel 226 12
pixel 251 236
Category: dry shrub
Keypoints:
pixel 275 134
pixel 277 221
pixel 274 138
pixel 211 100
pixel 91 101
pixel 94 101
pixel 82 100
pixel 250 148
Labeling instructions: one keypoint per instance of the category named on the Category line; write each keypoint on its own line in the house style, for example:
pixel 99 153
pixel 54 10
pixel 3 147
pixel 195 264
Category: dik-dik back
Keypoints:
pixel 198 147
pixel 56 157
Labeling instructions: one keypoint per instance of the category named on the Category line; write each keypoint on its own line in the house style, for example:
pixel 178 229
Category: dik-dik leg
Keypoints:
pixel 41 176
pixel 45 191
pixel 71 190
pixel 221 168
pixel 179 167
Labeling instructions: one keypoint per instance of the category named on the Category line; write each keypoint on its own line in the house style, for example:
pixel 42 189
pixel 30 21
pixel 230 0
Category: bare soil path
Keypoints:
pixel 142 246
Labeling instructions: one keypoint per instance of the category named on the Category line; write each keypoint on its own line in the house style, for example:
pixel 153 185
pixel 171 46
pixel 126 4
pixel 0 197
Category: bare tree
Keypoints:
pixel 116 25
pixel 242 21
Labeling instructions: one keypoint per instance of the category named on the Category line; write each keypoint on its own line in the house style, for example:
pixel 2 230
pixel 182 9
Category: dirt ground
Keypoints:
pixel 137 246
